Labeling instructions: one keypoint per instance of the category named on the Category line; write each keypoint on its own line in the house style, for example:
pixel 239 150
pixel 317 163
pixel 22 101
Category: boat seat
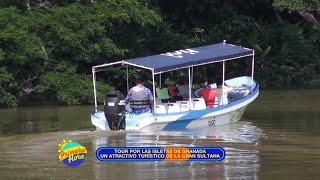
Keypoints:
pixel 173 107
pixel 238 94
pixel 198 104
pixel 184 105
pixel 216 102
pixel 163 94
pixel 160 109
pixel 158 101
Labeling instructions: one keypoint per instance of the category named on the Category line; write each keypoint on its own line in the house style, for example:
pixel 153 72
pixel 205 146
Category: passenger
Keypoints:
pixel 172 90
pixel 149 85
pixel 203 83
pixel 222 92
pixel 208 94
pixel 183 89
pixel 140 98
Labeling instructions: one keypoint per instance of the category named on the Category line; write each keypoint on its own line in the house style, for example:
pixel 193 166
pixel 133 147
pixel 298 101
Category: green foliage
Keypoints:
pixel 35 39
pixel 49 47
pixel 287 51
pixel 6 99
pixel 23 55
pixel 21 45
pixel 315 83
pixel 297 5
pixel 72 88
pixel 2 54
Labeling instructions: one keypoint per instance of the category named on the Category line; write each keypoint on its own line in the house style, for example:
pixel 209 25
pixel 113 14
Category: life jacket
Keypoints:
pixel 208 95
pixel 138 98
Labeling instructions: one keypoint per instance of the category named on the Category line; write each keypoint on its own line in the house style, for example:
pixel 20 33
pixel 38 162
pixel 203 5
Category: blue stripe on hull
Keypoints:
pixel 182 122
pixel 185 120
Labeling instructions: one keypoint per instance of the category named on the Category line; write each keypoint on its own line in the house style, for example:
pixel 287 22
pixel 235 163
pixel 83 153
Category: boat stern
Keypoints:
pixel 99 120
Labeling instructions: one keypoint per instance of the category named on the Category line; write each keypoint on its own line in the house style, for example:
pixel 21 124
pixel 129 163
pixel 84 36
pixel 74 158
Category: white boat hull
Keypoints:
pixel 181 114
pixel 193 119
pixel 171 122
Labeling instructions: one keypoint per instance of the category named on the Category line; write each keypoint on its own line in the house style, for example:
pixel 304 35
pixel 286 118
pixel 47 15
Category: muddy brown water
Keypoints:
pixel 277 138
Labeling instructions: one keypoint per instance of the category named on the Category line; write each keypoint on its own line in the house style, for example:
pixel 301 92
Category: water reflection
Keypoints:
pixel 279 140
pixel 44 119
pixel 239 140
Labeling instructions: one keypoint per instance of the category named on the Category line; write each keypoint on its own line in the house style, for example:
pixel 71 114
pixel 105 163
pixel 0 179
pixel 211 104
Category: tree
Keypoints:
pixel 37 39
pixel 306 9
pixel 6 98
pixel 23 57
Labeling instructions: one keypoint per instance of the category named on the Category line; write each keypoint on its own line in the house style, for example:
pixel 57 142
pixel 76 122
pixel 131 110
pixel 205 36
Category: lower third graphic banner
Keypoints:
pixel 160 154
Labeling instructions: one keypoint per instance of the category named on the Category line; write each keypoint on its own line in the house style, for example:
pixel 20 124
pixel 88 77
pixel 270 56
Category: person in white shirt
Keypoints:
pixel 222 92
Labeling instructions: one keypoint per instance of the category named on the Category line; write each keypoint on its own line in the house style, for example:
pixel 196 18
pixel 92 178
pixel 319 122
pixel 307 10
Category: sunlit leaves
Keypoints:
pixel 297 5
pixel 54 43
pixel 72 88
pixel 37 37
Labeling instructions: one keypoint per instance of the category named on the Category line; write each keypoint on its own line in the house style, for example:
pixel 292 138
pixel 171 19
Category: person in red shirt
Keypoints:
pixel 172 89
pixel 208 95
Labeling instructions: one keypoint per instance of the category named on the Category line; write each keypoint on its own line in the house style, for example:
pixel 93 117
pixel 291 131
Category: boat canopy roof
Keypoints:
pixel 180 59
pixel 190 57
pixel 187 57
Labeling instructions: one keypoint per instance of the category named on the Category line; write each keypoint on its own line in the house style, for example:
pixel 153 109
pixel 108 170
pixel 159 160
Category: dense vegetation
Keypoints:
pixel 47 47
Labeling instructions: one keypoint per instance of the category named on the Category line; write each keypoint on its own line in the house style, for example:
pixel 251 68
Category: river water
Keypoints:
pixel 277 138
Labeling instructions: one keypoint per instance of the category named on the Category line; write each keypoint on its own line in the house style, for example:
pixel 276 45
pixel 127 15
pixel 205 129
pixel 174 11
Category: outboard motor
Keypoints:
pixel 115 109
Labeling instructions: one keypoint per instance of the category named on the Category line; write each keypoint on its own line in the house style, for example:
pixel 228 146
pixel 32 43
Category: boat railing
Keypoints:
pixel 196 103
pixel 180 106
pixel 173 107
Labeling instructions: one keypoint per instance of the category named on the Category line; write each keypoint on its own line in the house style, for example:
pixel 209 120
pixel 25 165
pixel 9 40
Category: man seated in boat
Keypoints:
pixel 172 89
pixel 207 93
pixel 183 89
pixel 140 98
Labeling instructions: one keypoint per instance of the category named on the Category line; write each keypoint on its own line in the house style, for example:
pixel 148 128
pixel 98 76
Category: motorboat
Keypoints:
pixel 189 114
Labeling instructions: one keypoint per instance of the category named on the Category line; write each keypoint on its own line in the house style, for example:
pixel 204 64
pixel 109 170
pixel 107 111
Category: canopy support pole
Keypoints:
pixel 154 92
pixel 252 70
pixel 223 77
pixel 160 80
pixel 94 90
pixel 189 74
pixel 127 79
